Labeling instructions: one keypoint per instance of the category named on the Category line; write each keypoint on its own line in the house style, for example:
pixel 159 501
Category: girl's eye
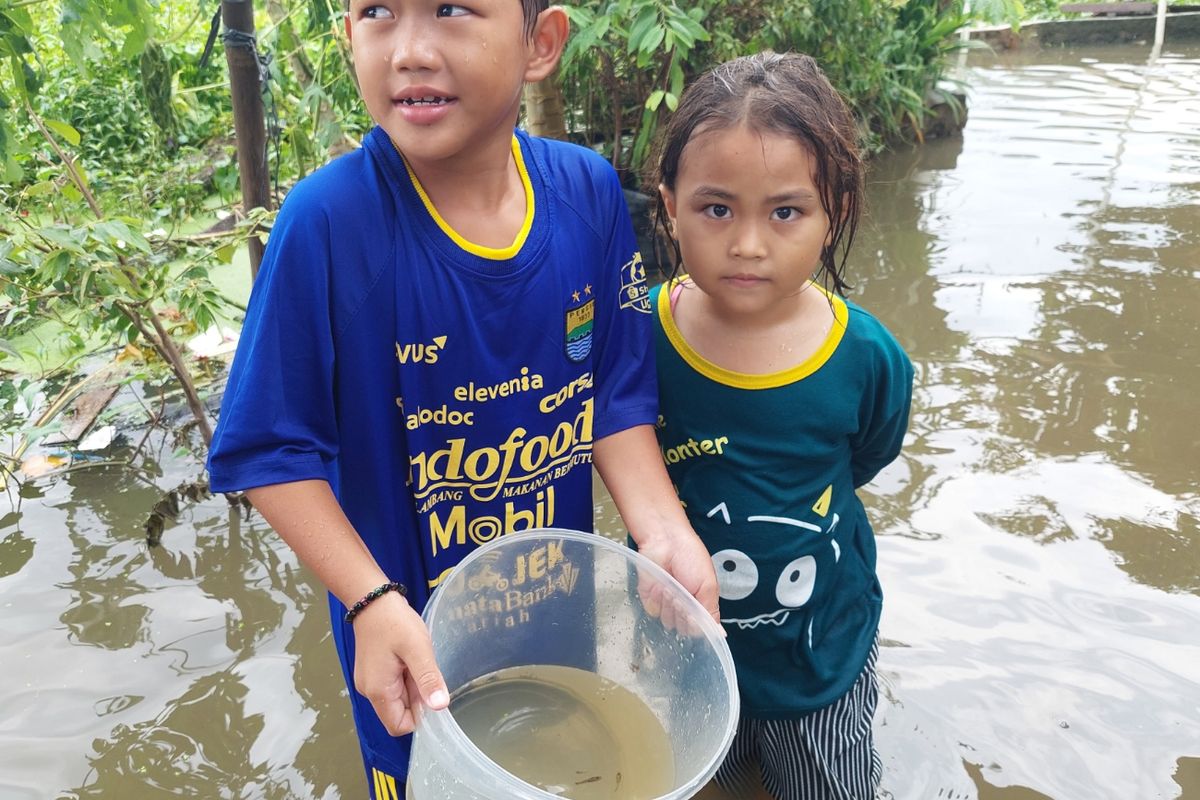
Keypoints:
pixel 717 211
pixel 448 10
pixel 786 213
pixel 376 12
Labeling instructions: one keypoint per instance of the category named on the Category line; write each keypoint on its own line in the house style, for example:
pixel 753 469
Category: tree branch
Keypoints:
pixel 68 162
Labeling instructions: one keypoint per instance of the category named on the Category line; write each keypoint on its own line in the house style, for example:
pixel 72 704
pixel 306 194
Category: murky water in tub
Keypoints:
pixel 567 731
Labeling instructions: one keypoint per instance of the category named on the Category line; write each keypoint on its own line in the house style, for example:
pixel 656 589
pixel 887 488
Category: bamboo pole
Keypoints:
pixel 248 123
pixel 1160 30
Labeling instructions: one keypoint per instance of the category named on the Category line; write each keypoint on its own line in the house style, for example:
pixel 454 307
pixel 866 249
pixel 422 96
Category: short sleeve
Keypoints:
pixel 883 415
pixel 277 421
pixel 625 382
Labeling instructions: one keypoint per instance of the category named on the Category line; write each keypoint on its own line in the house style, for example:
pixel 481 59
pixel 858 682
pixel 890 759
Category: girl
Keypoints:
pixel 778 399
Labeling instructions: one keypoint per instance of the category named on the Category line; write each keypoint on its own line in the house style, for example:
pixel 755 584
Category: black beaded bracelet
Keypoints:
pixel 372 595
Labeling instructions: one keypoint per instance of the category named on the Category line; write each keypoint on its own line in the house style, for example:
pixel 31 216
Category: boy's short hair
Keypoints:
pixel 531 7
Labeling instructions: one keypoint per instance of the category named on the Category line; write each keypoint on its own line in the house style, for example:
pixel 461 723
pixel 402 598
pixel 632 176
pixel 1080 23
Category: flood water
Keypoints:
pixel 1039 539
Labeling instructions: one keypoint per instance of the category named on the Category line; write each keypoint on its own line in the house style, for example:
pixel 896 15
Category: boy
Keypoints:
pixel 449 326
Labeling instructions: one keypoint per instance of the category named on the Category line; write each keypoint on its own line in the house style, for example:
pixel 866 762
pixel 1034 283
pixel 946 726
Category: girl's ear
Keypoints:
pixel 547 43
pixel 668 198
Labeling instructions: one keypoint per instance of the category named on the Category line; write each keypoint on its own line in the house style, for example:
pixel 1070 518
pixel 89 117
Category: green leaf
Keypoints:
pixel 602 26
pixel 135 42
pixel 579 16
pixel 131 235
pixel 653 38
pixel 20 19
pixel 68 239
pixel 641 28
pixel 681 31
pixel 116 233
pixel 64 130
pixel 693 27
pixel 676 78
pixel 82 289
pixel 655 99
pixel 642 144
pixel 40 188
pixel 16 64
pixel 4 134
pixel 8 267
pixel 55 265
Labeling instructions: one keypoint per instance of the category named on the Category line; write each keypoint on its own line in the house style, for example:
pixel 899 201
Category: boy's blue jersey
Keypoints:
pixel 449 393
pixel 767 467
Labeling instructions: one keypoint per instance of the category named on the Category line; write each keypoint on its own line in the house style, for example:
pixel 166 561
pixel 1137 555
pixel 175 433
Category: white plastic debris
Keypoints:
pixel 98 439
pixel 214 342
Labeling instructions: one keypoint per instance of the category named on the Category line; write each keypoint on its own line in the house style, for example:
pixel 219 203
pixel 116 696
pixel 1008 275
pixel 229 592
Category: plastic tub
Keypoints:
pixel 565 599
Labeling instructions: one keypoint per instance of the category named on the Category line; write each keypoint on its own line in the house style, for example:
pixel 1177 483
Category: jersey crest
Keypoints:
pixel 579 321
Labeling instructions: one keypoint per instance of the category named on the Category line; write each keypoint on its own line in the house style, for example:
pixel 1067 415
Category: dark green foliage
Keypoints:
pixel 883 58
pixel 156 74
pixel 629 59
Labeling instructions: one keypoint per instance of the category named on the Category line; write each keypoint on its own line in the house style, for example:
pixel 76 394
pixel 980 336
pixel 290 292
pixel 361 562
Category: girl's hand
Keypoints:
pixel 683 555
pixel 632 469
pixel 394 666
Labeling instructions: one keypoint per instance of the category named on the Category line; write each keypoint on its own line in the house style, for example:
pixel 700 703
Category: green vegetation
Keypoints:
pixel 116 150
pixel 1014 12
pixel 628 60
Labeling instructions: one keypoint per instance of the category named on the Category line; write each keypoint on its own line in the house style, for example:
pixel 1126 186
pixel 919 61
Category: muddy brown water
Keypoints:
pixel 1039 540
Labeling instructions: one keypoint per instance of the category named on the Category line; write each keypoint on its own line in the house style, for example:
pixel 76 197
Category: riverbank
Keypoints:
pixel 1089 32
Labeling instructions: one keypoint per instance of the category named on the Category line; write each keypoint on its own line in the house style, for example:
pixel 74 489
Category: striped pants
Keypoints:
pixel 827 755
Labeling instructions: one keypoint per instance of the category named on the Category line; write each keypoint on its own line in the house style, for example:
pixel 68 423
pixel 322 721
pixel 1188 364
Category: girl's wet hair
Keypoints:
pixel 531 8
pixel 786 94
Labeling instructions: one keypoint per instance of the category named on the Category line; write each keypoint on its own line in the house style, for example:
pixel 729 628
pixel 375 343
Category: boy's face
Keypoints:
pixel 442 79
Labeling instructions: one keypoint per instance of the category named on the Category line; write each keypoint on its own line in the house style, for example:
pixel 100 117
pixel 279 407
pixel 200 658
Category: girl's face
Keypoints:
pixel 748 218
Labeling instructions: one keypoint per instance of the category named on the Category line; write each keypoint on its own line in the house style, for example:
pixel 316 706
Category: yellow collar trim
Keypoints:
pixel 743 380
pixel 493 253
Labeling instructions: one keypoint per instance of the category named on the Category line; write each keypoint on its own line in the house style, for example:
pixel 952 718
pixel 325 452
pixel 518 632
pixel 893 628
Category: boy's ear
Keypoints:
pixel 668 198
pixel 547 43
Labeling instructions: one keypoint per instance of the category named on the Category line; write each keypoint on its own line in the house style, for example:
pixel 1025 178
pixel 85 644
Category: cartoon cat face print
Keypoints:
pixel 753 582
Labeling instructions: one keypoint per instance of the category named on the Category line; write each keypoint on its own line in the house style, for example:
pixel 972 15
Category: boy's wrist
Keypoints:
pixel 392 599
pixel 373 595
